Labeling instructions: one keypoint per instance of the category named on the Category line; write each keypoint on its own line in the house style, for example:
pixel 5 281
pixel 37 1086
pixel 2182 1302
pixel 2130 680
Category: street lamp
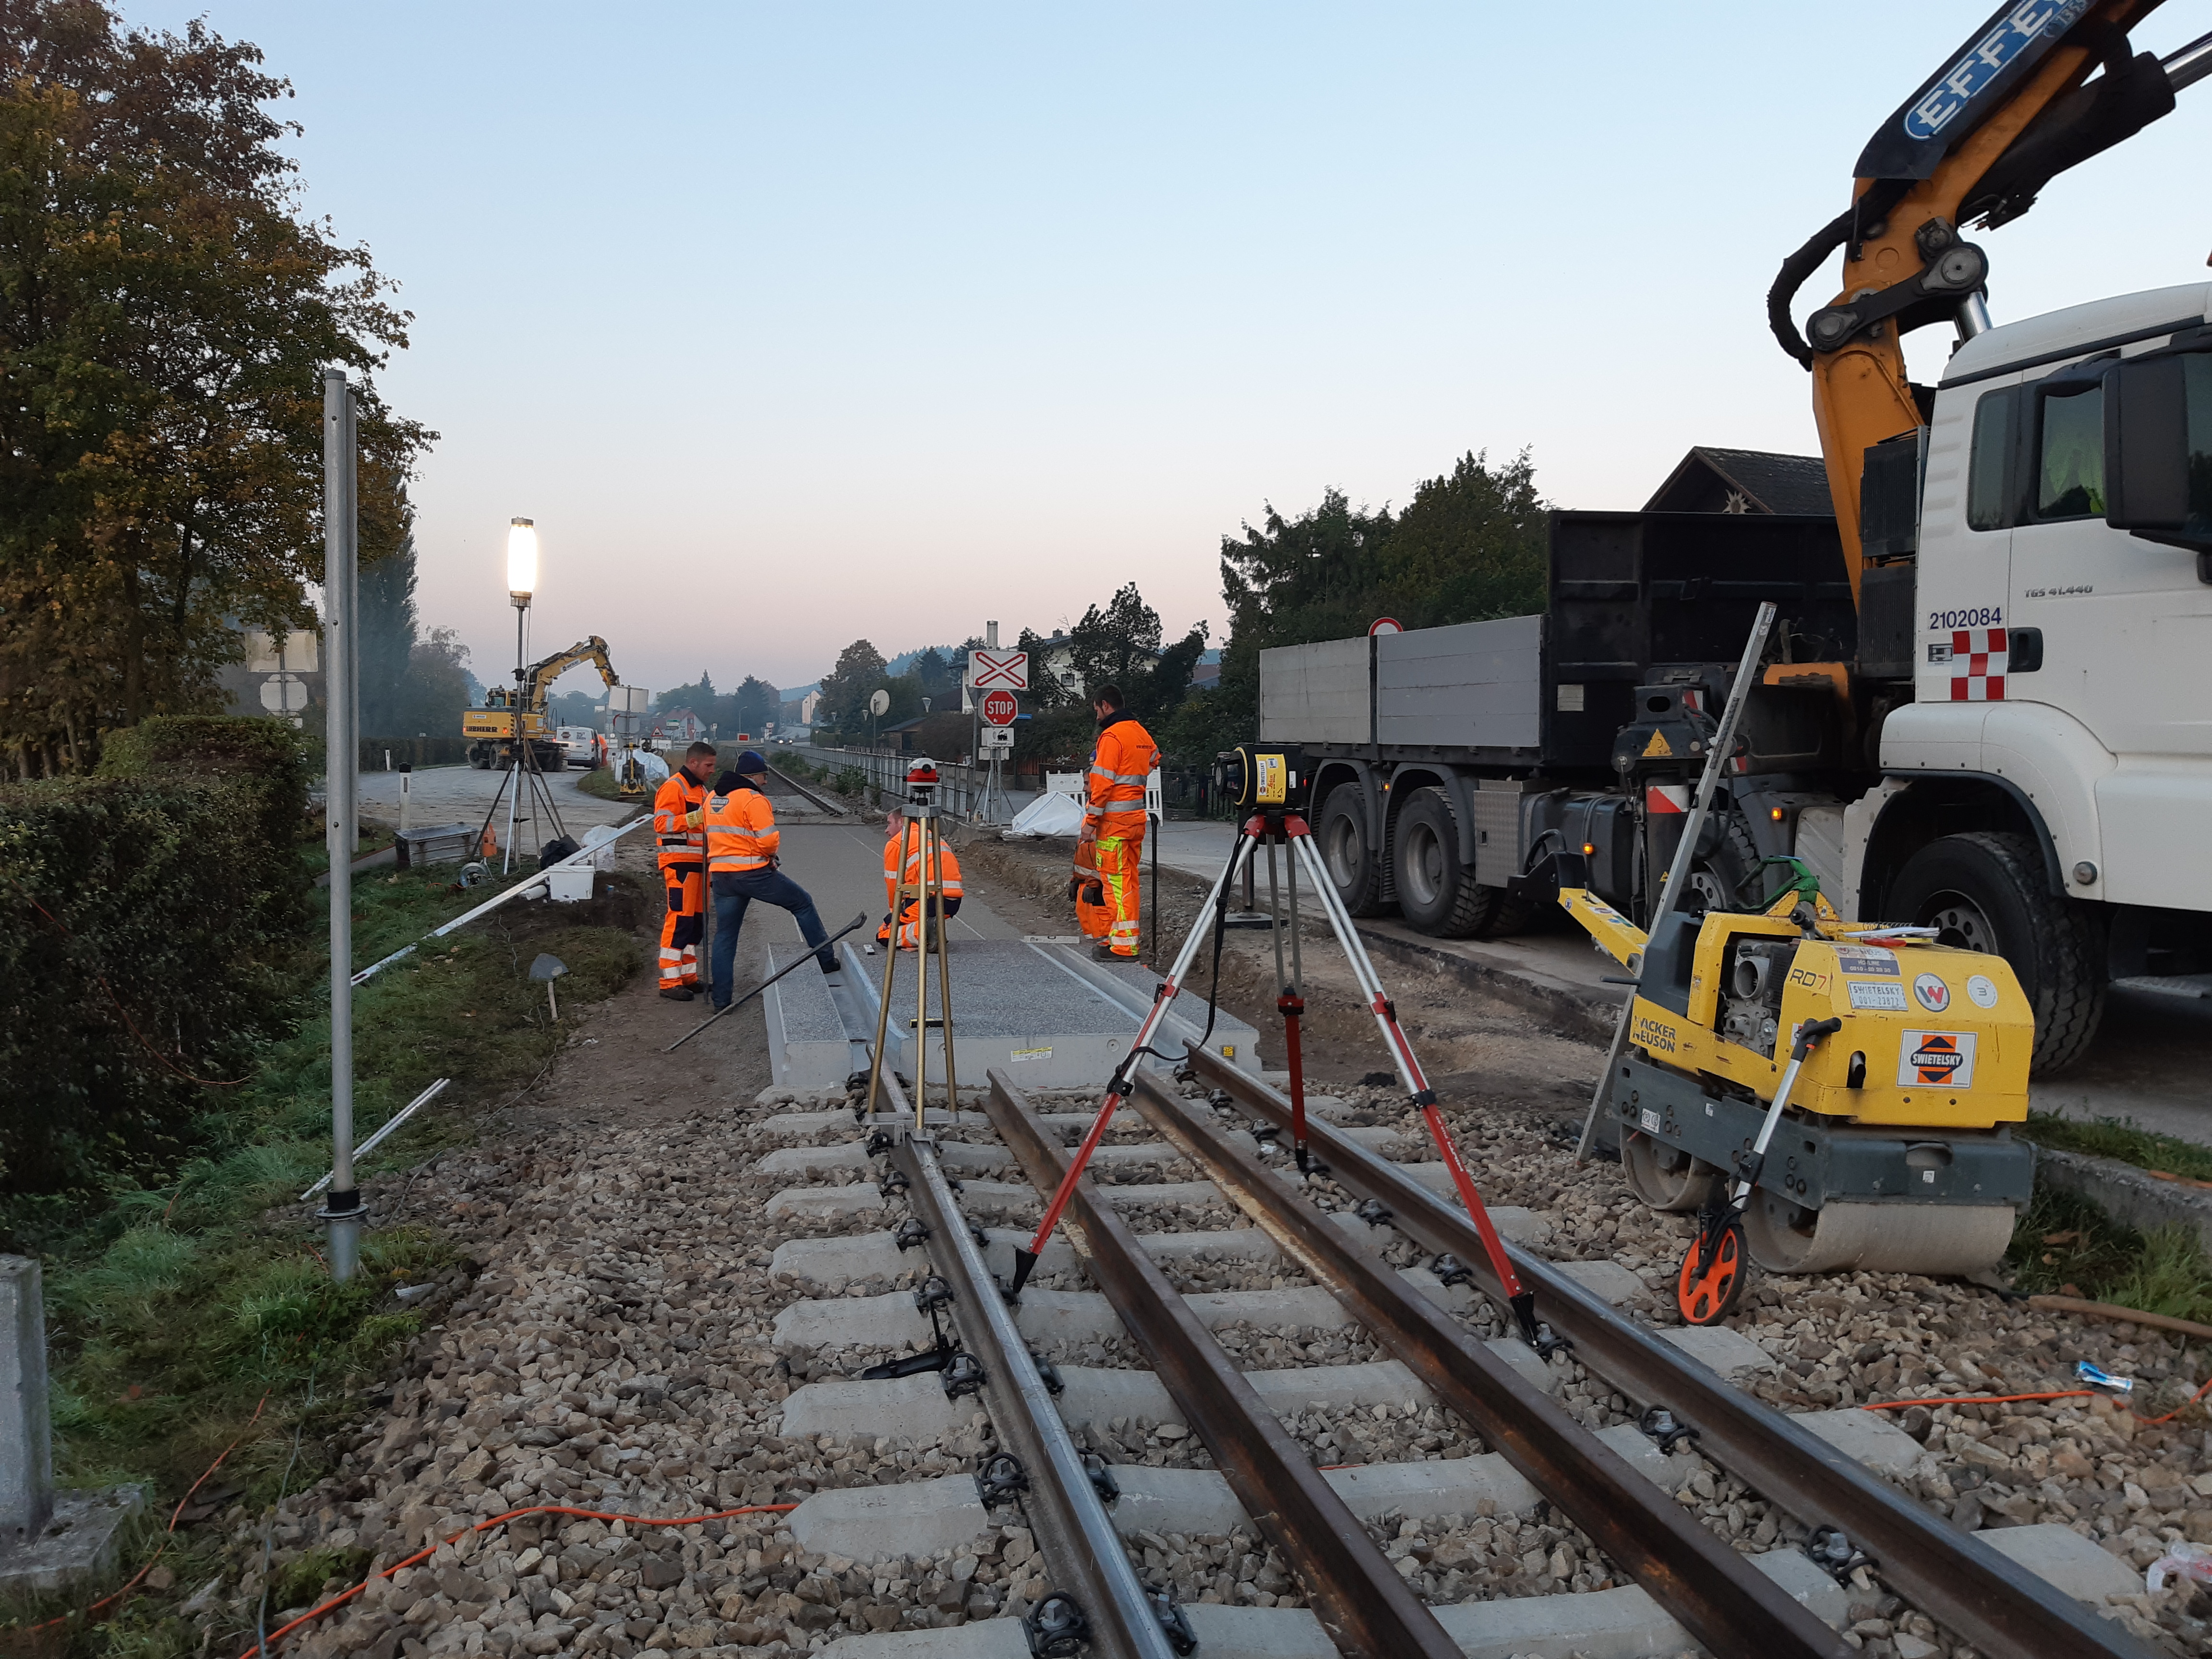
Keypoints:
pixel 521 561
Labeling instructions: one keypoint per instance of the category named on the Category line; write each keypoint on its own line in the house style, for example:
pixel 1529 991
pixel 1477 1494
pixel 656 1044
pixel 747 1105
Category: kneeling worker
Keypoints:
pixel 741 842
pixel 903 862
pixel 1114 815
pixel 676 821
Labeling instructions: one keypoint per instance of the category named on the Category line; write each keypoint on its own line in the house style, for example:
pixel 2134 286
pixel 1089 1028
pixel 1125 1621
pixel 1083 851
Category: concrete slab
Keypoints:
pixel 1451 1485
pixel 1003 1196
pixel 1174 1500
pixel 1051 1023
pixel 1520 1355
pixel 986 1638
pixel 1644 1456
pixel 1869 1436
pixel 786 1162
pixel 1615 1624
pixel 1044 1317
pixel 78 1542
pixel 1609 1280
pixel 814 1125
pixel 1808 1585
pixel 868 1524
pixel 1729 1352
pixel 2062 1558
pixel 1098 1394
pixel 825 1203
pixel 1226 1633
pixel 906 1407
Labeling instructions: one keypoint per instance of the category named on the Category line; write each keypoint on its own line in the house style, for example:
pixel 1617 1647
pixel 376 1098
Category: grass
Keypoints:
pixel 2115 1138
pixel 179 1309
pixel 2066 1246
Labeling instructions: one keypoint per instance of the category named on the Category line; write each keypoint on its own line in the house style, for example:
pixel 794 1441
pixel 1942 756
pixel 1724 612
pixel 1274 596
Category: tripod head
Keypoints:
pixel 922 783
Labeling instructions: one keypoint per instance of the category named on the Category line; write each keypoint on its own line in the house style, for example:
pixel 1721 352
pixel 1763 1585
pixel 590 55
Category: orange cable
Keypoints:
pixel 313 1614
pixel 167 1531
pixel 2061 1393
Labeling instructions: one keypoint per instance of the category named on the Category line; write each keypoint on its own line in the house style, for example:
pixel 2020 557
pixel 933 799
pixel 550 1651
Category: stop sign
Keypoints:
pixel 1000 707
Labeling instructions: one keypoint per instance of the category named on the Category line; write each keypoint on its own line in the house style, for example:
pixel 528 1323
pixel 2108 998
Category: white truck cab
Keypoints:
pixel 2061 716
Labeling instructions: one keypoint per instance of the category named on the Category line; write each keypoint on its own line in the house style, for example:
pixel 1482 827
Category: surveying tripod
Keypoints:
pixel 927 888
pixel 1268 782
pixel 523 764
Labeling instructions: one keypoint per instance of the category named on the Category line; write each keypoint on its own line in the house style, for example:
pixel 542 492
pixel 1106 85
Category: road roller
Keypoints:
pixel 1888 1148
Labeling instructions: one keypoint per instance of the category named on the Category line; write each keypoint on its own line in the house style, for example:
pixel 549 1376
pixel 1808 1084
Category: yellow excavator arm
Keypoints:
pixel 538 678
pixel 2012 108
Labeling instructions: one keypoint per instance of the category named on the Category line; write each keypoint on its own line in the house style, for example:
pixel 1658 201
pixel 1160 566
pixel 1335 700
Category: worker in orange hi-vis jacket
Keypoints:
pixel 678 809
pixel 903 862
pixel 1114 817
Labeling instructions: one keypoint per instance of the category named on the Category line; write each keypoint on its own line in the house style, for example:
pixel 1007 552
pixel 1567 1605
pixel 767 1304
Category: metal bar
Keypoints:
pixel 1362 1602
pixel 515 892
pixel 1717 1595
pixel 342 825
pixel 1062 1506
pixel 1685 850
pixel 390 1124
pixel 736 1003
pixel 1992 1602
pixel 2186 67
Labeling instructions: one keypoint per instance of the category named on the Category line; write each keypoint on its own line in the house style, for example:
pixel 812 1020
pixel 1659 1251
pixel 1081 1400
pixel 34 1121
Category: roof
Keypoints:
pixel 1744 481
pixel 2099 325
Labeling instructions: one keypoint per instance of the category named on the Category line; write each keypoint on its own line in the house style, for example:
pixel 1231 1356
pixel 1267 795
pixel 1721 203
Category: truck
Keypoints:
pixel 1986 709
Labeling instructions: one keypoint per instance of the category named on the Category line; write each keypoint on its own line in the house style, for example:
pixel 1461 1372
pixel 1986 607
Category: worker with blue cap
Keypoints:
pixel 741 863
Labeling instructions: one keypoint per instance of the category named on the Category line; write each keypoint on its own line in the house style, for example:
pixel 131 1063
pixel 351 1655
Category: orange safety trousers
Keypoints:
pixel 1121 862
pixel 684 925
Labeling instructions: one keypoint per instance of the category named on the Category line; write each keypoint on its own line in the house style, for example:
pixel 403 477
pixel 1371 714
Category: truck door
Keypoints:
pixel 1964 583
pixel 2125 625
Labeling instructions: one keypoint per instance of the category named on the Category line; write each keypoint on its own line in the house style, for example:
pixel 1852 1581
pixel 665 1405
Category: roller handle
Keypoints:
pixel 1810 1035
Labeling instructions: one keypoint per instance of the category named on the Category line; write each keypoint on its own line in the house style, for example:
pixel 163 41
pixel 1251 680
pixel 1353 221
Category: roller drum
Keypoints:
pixel 1895 1239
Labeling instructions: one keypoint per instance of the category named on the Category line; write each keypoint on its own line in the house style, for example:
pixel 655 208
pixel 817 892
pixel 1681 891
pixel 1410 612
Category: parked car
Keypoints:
pixel 580 742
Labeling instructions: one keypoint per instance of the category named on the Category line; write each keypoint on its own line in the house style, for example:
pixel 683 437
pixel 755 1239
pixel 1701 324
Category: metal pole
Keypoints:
pixel 342 1210
pixel 1685 850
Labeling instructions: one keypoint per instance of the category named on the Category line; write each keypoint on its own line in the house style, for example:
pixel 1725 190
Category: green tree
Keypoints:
pixel 165 312
pixel 439 686
pixel 846 690
pixel 752 706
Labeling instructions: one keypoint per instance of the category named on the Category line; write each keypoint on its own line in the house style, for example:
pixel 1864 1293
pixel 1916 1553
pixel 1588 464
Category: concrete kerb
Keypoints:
pixel 2133 1197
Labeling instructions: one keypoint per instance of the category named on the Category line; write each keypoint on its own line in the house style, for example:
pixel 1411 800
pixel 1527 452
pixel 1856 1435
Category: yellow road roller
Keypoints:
pixel 1889 1147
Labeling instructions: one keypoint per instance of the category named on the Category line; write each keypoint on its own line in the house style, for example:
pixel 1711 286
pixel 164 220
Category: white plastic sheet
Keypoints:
pixel 1047 815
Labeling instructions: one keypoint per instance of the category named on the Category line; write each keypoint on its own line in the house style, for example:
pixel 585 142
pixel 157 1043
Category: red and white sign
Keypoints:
pixel 1977 665
pixel 1000 708
pixel 1665 799
pixel 1385 625
pixel 1010 669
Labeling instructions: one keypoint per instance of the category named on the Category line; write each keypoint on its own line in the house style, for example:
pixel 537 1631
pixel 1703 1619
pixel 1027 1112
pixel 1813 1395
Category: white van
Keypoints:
pixel 580 742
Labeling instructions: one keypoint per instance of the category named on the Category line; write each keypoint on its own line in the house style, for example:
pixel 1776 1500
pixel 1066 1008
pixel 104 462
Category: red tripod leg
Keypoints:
pixel 1290 1006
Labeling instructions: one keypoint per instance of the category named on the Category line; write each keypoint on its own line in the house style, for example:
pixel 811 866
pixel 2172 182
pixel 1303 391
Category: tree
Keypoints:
pixel 699 697
pixel 165 316
pixel 439 686
pixel 846 689
pixel 1114 646
pixel 752 706
pixel 387 622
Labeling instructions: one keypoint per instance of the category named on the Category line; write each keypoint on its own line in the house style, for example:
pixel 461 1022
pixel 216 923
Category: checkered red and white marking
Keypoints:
pixel 1977 665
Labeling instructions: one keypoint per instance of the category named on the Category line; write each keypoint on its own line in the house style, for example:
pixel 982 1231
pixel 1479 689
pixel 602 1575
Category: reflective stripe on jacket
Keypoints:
pixel 902 859
pixel 674 803
pixel 1120 767
pixel 741 832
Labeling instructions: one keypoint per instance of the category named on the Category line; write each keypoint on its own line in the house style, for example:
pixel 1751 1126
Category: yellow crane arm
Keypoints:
pixel 2008 111
pixel 538 678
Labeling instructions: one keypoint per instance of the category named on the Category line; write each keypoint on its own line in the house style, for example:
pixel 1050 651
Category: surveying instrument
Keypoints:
pixel 1269 785
pixel 922 849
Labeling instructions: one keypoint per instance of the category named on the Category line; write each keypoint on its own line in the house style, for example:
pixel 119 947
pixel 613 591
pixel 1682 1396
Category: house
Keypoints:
pixel 1745 481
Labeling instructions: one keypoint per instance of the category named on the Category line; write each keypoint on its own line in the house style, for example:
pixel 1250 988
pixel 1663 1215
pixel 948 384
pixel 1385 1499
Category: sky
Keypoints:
pixel 794 324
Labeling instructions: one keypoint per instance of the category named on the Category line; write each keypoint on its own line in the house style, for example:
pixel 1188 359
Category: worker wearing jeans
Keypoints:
pixel 741 859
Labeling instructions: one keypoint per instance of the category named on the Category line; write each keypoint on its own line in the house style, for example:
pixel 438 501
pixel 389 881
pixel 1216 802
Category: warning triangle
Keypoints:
pixel 1658 745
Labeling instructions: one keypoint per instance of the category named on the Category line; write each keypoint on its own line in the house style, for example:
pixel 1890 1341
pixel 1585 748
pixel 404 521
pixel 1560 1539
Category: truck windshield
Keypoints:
pixel 2070 472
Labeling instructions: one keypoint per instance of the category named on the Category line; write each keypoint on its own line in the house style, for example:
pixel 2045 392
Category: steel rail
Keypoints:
pixel 1714 1591
pixel 1355 1590
pixel 785 778
pixel 1061 1505
pixel 1989 1601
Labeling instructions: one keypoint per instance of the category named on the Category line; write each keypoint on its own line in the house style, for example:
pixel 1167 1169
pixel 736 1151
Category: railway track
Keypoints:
pixel 1412 1498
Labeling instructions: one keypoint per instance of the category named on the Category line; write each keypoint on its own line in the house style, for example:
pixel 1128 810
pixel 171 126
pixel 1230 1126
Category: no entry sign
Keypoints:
pixel 1000 708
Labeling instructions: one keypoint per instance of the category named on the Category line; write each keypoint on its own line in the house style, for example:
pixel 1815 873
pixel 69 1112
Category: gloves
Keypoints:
pixel 693 820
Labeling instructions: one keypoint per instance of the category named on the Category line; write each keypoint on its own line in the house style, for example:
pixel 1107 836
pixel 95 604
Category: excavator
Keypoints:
pixel 2028 545
pixel 507 718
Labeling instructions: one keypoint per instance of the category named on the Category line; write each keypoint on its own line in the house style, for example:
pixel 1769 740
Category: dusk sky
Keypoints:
pixel 794 324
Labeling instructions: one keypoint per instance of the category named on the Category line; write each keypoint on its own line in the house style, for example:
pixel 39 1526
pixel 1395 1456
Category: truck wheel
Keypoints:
pixel 1726 879
pixel 1439 893
pixel 1341 835
pixel 479 757
pixel 1985 890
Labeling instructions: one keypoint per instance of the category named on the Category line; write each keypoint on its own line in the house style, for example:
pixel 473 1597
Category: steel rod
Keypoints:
pixel 342 751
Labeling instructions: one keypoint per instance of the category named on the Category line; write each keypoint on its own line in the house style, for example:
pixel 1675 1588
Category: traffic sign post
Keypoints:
pixel 1000 707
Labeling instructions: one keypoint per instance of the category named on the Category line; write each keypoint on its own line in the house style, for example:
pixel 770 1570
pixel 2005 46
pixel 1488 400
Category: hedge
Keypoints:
pixel 142 906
